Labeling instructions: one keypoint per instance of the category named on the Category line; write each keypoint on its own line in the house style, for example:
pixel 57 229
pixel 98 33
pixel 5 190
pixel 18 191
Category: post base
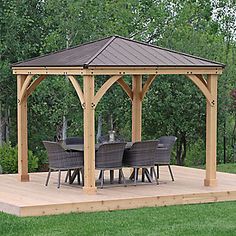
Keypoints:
pixel 90 190
pixel 23 178
pixel 210 182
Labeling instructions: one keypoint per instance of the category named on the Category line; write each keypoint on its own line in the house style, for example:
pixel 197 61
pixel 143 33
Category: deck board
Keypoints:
pixel 33 198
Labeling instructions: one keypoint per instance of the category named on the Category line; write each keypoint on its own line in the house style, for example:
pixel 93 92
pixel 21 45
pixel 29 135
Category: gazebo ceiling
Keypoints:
pixel 117 51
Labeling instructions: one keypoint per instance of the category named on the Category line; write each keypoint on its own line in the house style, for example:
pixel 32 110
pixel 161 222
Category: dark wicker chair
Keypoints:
pixel 60 159
pixel 109 157
pixel 74 140
pixel 141 155
pixel 163 156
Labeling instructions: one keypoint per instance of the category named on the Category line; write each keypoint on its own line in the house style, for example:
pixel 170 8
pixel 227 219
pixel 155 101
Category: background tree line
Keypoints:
pixel 172 106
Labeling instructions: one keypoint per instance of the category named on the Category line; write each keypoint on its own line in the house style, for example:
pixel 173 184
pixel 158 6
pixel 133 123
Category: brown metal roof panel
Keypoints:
pixel 108 59
pixel 198 60
pixel 119 56
pixel 75 56
pixel 129 50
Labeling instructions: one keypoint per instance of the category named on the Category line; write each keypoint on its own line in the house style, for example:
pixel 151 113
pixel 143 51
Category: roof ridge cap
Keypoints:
pixel 100 51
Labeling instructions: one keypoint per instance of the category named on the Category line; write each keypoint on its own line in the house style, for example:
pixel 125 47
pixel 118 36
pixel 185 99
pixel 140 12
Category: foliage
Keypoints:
pixel 196 153
pixel 9 160
pixel 202 219
pixel 172 106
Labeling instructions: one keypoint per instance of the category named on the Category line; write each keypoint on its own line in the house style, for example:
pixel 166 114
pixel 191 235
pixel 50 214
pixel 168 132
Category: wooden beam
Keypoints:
pixel 211 132
pixel 49 70
pixel 105 87
pixel 152 70
pixel 34 84
pixel 125 87
pixel 202 86
pixel 202 79
pixel 77 88
pixel 147 85
pixel 22 130
pixel 117 70
pixel 137 108
pixel 23 91
pixel 89 136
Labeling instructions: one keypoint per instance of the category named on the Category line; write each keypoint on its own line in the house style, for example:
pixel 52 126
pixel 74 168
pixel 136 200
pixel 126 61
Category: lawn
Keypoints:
pixel 202 219
pixel 228 167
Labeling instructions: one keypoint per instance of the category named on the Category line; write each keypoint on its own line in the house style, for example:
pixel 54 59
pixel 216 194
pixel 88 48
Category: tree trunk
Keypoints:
pixel 7 122
pixel 181 149
pixel 64 128
pixel 99 133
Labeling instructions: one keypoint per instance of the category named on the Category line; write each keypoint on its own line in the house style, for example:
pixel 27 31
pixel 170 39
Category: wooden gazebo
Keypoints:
pixel 116 56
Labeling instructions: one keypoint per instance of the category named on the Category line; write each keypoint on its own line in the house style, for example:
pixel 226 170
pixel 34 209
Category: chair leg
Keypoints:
pixel 48 177
pixel 59 179
pixel 67 176
pixel 148 175
pixel 111 176
pixel 155 175
pixel 151 172
pixel 78 176
pixel 82 173
pixel 172 177
pixel 132 175
pixel 158 172
pixel 100 175
pixel 143 174
pixel 135 175
pixel 102 178
pixel 122 176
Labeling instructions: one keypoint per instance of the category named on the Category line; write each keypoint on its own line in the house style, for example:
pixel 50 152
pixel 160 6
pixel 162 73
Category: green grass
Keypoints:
pixel 228 167
pixel 202 219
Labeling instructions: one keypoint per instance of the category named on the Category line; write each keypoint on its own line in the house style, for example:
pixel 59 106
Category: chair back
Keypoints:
pixel 167 141
pixel 141 154
pixel 55 153
pixel 60 158
pixel 109 155
pixel 74 140
pixel 164 153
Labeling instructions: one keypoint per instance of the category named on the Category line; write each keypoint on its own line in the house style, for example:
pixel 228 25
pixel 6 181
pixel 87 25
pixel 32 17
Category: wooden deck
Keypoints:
pixel 34 199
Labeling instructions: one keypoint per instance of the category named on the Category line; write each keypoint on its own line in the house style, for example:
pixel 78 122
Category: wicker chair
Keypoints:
pixel 74 140
pixel 163 156
pixel 141 155
pixel 109 157
pixel 59 159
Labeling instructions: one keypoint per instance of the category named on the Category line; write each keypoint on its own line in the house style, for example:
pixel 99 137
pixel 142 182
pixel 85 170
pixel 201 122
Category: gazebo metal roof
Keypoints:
pixel 117 51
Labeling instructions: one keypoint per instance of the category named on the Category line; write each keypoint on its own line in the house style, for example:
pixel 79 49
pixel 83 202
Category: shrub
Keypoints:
pixel 196 154
pixel 9 160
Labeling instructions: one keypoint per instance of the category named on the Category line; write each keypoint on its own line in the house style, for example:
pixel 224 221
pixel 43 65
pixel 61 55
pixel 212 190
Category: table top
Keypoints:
pixel 80 147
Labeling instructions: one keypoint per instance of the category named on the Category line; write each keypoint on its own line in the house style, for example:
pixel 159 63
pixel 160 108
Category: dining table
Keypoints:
pixel 80 148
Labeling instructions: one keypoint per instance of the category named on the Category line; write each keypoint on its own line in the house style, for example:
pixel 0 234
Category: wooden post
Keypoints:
pixel 137 108
pixel 211 132
pixel 22 132
pixel 89 136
